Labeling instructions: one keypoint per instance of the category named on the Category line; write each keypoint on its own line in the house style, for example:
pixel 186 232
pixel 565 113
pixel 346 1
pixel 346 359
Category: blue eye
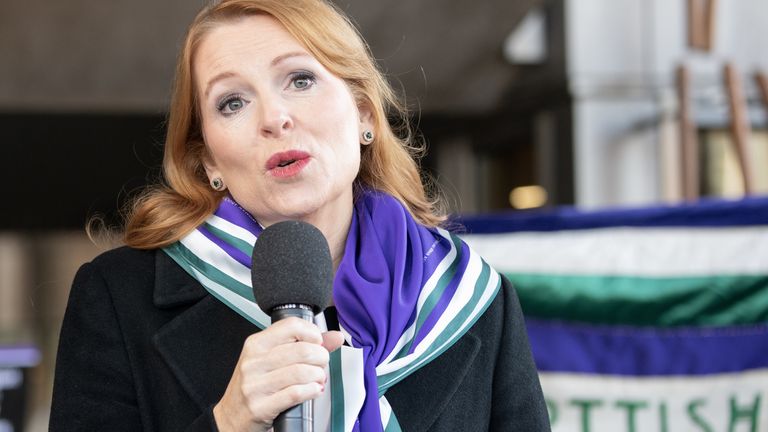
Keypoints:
pixel 231 104
pixel 303 80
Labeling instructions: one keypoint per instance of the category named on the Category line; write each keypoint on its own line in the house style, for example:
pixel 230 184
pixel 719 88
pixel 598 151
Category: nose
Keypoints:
pixel 276 118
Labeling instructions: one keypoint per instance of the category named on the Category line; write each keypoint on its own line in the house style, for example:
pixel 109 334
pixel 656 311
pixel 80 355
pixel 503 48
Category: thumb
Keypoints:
pixel 332 340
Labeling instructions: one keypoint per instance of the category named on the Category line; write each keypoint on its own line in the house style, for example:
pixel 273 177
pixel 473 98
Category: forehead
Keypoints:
pixel 255 39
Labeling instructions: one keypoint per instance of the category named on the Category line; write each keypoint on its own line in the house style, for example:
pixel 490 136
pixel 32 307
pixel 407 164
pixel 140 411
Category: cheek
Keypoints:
pixel 222 145
pixel 347 146
pixel 350 160
pixel 339 137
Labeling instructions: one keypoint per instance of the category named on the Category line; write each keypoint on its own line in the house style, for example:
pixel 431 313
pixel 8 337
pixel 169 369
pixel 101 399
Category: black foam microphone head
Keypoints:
pixel 291 263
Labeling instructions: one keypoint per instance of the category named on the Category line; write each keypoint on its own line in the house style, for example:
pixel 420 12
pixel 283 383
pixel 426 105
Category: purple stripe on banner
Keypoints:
pixel 230 250
pixel 570 347
pixel 748 211
pixel 19 356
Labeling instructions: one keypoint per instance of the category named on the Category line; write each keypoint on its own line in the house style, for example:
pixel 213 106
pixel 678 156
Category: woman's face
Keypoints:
pixel 282 131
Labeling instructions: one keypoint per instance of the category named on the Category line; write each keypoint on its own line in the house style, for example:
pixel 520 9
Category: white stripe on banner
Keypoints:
pixel 614 251
pixel 709 403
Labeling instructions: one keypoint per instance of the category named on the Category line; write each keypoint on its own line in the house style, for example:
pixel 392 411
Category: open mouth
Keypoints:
pixel 288 163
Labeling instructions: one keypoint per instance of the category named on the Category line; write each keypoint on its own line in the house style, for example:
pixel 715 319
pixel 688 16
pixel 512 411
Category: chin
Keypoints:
pixel 306 201
pixel 296 206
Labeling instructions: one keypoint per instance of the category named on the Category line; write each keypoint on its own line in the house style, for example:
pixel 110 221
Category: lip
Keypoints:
pixel 297 161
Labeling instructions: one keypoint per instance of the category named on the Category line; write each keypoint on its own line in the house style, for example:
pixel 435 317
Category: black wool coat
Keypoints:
pixel 144 347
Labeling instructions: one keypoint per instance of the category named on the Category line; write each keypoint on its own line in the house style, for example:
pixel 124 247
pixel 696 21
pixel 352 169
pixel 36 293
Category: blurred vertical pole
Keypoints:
pixel 762 84
pixel 710 15
pixel 459 173
pixel 740 128
pixel 689 144
pixel 702 16
pixel 695 29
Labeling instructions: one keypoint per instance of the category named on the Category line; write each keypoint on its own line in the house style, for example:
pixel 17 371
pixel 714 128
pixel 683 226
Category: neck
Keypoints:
pixel 335 231
pixel 334 222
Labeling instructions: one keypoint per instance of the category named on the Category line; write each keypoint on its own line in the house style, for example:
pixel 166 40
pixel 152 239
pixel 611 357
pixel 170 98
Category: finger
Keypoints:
pixel 280 379
pixel 296 352
pixel 268 407
pixel 284 331
pixel 332 340
pixel 294 395
pixel 283 356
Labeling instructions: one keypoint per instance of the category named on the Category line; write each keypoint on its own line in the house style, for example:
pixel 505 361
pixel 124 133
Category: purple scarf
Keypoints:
pixel 404 294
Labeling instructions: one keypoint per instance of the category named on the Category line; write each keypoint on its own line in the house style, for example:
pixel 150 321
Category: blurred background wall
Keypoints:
pixel 527 103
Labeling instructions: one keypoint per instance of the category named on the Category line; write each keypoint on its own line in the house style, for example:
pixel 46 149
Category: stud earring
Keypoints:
pixel 367 137
pixel 217 184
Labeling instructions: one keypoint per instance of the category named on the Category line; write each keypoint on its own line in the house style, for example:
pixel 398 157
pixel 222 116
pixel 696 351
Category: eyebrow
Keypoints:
pixel 215 79
pixel 229 74
pixel 285 56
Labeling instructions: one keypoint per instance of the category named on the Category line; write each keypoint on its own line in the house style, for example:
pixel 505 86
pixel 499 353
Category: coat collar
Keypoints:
pixel 421 397
pixel 202 342
pixel 202 345
pixel 174 286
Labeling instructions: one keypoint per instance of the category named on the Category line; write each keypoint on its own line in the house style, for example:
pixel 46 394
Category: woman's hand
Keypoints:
pixel 279 367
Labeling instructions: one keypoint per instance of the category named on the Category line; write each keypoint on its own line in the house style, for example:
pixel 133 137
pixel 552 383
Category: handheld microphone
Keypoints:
pixel 292 275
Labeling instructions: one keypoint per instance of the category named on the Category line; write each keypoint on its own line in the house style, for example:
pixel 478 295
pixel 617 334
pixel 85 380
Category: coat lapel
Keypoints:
pixel 418 400
pixel 202 344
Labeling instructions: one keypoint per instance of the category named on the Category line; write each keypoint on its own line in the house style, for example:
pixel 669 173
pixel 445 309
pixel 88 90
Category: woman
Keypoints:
pixel 279 113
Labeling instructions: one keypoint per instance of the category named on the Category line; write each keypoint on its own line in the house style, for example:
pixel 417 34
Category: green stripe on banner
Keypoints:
pixel 241 245
pixel 337 391
pixel 641 301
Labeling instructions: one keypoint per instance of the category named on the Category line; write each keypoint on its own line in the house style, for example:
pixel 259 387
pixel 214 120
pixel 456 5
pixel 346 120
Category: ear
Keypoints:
pixel 211 170
pixel 366 118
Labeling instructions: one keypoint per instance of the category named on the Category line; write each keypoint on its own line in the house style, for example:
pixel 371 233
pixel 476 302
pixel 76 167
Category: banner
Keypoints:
pixel 652 319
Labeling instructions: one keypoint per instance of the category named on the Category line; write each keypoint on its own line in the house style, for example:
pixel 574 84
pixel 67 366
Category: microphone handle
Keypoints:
pixel 299 417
